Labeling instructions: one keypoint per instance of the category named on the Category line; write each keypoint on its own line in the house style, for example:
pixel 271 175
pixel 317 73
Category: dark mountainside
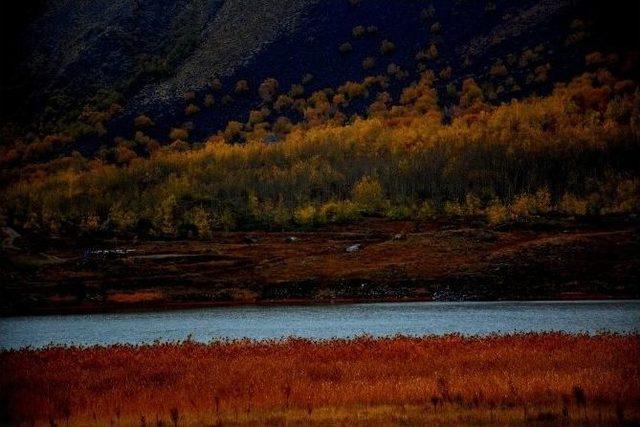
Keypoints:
pixel 147 55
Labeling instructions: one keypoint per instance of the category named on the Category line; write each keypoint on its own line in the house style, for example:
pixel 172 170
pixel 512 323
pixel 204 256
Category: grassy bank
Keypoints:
pixel 549 378
pixel 547 258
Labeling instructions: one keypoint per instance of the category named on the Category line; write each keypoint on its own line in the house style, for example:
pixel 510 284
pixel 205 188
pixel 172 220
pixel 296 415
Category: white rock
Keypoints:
pixel 354 248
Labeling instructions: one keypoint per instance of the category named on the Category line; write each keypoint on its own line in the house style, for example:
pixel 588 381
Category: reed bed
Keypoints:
pixel 504 379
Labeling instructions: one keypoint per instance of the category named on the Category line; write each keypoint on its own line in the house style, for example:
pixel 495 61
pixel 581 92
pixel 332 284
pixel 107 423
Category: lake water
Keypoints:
pixel 320 322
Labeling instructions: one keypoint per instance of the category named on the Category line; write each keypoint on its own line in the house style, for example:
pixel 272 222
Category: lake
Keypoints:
pixel 321 322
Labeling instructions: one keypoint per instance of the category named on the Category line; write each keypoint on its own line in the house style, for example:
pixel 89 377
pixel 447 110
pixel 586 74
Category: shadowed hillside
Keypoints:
pixel 147 55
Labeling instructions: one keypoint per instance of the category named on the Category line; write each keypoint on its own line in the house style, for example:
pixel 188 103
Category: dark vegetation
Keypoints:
pixel 372 260
pixel 573 152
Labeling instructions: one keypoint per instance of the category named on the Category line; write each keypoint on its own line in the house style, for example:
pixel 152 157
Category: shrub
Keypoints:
pixel 296 91
pixel 280 215
pixel 90 223
pixel 387 47
pixel 257 116
pixel 191 110
pixel 471 94
pixel 543 201
pixel 148 143
pixel 204 222
pixel 523 206
pixel 122 217
pixel 225 220
pixel 368 63
pixel 282 125
pixel 39 149
pixel 353 90
pixel 426 211
pixel 339 100
pixel 178 134
pixel 393 69
pixel 527 57
pixel 422 56
pixel 380 105
pixel 179 146
pixel 497 213
pixel 233 132
pixel 166 215
pixel 432 51
pixel 427 54
pixel 283 102
pixel 305 215
pixel 142 121
pixel 398 212
pixel 573 205
pixel 452 90
pixel 268 89
pixel 498 70
pixel 358 31
pixel 340 211
pixel 421 96
pixel 472 204
pixel 575 38
pixel 242 86
pixel 542 73
pixel 627 197
pixel 125 155
pixel 526 205
pixel 594 58
pixel 368 194
pixel 345 47
pixel 190 96
pixel 454 209
pixel 446 73
pixel 216 85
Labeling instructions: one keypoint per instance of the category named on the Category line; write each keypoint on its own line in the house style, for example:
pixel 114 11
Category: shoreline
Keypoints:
pixel 171 307
pixel 218 341
pixel 372 261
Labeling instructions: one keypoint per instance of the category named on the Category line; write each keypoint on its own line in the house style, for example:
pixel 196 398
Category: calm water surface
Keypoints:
pixel 318 322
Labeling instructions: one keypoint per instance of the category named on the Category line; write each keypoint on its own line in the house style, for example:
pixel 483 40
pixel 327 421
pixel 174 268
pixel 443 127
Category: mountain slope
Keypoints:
pixel 146 55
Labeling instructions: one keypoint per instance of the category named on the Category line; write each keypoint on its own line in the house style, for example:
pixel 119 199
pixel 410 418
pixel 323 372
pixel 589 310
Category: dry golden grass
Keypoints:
pixel 512 379
pixel 135 297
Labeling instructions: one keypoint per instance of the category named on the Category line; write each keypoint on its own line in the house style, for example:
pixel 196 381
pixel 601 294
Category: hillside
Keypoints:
pixel 147 56
pixel 295 150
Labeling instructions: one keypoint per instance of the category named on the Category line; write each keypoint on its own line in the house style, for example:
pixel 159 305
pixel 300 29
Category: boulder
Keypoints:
pixel 9 236
pixel 354 248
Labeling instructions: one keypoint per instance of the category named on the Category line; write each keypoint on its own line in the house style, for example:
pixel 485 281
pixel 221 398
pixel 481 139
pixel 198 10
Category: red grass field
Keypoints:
pixel 538 378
